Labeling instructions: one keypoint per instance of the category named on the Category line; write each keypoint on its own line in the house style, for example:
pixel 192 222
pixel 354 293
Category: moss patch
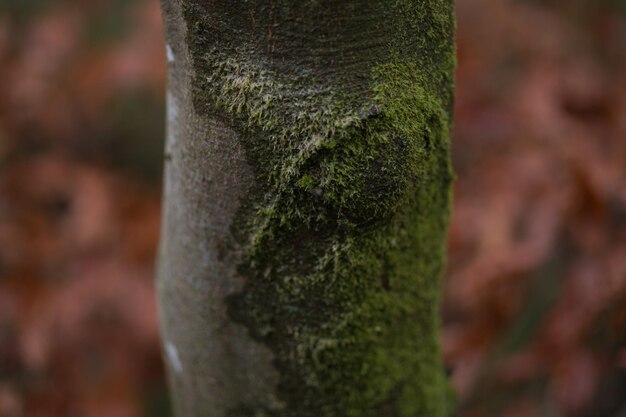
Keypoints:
pixel 344 233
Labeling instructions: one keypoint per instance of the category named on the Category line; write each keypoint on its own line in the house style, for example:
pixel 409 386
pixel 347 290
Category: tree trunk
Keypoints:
pixel 307 195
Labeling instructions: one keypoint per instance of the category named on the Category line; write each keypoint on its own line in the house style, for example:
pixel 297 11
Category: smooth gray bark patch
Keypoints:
pixel 214 363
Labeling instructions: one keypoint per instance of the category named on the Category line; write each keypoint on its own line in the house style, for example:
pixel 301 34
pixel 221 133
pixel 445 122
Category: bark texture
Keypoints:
pixel 307 197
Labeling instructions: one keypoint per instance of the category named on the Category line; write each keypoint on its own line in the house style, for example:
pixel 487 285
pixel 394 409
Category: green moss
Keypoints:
pixel 344 233
pixel 306 182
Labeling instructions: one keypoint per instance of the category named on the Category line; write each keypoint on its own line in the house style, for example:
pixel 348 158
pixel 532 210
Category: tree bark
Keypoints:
pixel 307 195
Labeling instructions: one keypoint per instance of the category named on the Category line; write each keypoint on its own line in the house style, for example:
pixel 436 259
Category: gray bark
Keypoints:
pixel 253 214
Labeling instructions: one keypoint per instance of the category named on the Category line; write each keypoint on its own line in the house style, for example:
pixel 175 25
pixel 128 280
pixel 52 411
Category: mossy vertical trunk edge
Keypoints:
pixel 307 197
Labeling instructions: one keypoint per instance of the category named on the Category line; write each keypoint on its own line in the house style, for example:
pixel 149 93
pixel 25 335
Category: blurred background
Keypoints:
pixel 535 293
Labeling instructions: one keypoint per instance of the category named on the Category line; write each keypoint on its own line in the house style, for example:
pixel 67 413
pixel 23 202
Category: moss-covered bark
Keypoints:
pixel 342 111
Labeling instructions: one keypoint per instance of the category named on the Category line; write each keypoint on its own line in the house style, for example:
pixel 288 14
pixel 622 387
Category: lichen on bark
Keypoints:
pixel 344 229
